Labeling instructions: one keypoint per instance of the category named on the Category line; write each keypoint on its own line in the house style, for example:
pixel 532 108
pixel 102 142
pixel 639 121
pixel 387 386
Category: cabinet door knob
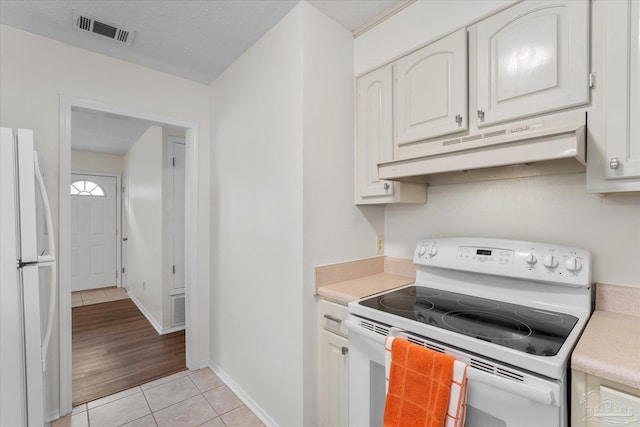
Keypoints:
pixel 345 350
pixel 458 119
pixel 333 319
pixel 481 114
pixel 614 163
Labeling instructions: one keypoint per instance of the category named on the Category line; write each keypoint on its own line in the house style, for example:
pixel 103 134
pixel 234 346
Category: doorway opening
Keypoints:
pixel 165 322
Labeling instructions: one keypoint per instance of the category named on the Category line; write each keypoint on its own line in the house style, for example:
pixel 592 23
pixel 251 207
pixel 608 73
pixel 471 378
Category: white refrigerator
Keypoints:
pixel 28 288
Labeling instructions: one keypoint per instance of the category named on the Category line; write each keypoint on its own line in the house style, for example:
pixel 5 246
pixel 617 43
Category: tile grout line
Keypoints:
pixel 149 406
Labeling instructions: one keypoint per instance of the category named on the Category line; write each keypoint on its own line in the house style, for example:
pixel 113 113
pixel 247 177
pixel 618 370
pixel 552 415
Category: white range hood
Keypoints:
pixel 507 153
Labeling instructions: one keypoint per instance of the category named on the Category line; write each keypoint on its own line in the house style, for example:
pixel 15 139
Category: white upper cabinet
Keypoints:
pixel 431 91
pixel 374 133
pixel 374 142
pixel 532 58
pixel 623 90
pixel 614 125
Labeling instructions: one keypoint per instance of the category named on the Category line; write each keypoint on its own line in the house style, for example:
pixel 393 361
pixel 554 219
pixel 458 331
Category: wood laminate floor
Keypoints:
pixel 115 348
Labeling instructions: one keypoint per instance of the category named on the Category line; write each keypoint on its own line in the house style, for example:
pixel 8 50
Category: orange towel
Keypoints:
pixel 419 388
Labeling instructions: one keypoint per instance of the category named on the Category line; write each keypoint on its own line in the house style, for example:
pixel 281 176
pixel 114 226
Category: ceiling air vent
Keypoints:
pixel 85 22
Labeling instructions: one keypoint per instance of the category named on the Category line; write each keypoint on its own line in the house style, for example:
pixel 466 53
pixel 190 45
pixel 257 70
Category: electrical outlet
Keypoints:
pixel 380 245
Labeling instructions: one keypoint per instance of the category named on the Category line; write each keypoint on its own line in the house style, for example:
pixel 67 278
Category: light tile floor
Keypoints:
pixel 96 296
pixel 188 398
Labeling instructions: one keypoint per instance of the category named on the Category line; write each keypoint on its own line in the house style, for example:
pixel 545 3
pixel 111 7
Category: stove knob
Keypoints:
pixel 572 264
pixel 422 250
pixel 530 259
pixel 433 251
pixel 550 262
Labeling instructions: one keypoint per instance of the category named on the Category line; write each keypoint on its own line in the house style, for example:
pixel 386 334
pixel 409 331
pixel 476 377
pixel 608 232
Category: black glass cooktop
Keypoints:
pixel 533 331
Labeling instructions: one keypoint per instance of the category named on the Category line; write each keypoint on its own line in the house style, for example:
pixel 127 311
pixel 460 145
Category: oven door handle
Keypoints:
pixel 536 394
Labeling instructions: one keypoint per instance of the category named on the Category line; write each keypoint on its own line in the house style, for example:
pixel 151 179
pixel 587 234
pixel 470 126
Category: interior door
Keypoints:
pixel 177 231
pixel 93 231
pixel 125 229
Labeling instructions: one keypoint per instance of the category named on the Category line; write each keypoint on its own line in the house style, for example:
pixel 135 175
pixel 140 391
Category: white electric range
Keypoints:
pixel 512 310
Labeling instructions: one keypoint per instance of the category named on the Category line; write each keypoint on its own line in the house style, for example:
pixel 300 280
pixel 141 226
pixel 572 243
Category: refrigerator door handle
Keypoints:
pixel 47 261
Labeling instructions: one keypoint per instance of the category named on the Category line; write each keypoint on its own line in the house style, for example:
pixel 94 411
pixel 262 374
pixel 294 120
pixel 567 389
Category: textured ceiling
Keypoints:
pixel 196 40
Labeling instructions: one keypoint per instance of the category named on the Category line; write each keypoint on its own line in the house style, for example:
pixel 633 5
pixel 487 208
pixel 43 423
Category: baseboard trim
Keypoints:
pixel 52 416
pixel 146 313
pixel 242 395
pixel 172 329
pixel 159 329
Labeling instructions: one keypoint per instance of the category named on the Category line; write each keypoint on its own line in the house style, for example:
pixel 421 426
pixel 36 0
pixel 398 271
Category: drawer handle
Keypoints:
pixel 333 319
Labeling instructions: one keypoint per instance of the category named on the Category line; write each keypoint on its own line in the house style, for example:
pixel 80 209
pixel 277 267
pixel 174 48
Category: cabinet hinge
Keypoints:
pixel 122 270
pixel 592 80
pixel 173 162
pixel 174 269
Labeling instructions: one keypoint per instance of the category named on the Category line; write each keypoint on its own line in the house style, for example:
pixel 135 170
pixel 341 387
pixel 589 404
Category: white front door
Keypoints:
pixel 93 231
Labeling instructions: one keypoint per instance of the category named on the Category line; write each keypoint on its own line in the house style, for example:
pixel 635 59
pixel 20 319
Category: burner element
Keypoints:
pixel 478 303
pixel 539 316
pixel 405 303
pixel 486 325
pixel 422 292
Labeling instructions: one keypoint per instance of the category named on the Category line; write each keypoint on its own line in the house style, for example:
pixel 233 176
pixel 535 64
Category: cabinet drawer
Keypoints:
pixel 333 317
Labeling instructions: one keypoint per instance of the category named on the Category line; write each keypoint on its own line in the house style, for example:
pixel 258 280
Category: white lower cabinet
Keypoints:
pixel 333 365
pixel 597 402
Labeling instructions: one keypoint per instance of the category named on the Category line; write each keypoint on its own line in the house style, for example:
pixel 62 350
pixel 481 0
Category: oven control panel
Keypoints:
pixel 510 258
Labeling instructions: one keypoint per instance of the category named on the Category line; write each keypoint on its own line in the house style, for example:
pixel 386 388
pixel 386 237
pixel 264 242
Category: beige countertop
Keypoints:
pixel 610 344
pixel 350 290
pixel 349 281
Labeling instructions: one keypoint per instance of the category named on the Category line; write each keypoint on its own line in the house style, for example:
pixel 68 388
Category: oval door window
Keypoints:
pixel 84 187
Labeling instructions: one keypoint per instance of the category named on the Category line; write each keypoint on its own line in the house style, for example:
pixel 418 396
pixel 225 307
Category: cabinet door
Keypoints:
pixel 532 58
pixel 374 139
pixel 597 402
pixel 623 90
pixel 431 90
pixel 333 380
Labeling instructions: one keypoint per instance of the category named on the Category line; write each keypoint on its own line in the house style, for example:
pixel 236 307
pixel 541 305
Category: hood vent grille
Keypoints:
pixel 85 22
pixel 498 154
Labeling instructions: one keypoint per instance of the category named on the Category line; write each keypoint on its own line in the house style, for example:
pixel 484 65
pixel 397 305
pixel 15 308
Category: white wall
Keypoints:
pixel 334 229
pixel 256 230
pixel 553 209
pixel 143 165
pixel 88 161
pixel 35 71
pixel 282 202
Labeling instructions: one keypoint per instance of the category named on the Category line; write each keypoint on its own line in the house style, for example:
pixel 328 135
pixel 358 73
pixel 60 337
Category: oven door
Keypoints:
pixel 492 400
